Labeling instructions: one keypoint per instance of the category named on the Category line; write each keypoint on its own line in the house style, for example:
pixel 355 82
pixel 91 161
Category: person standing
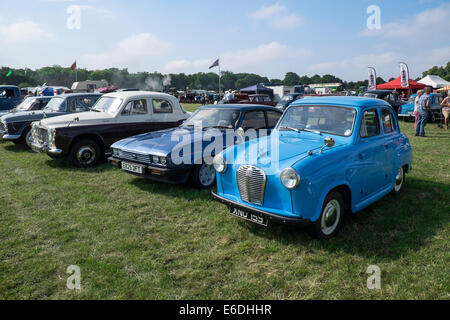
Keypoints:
pixel 424 106
pixel 416 108
pixel 446 109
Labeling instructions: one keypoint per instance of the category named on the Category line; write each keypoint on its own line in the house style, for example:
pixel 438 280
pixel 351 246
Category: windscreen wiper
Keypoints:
pixel 289 128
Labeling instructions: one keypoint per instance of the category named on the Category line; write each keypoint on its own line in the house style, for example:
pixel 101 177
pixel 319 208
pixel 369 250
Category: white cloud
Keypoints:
pixel 421 26
pixel 132 52
pixel 267 12
pixel 277 16
pixel 242 60
pixel 24 31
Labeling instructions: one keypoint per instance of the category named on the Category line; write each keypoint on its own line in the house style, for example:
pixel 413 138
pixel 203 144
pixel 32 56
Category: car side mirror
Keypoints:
pixel 328 142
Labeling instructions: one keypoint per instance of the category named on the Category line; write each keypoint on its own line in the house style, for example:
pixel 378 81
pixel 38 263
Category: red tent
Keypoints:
pixel 396 84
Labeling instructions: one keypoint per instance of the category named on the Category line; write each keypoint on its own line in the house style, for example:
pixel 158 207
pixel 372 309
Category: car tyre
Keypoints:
pixel 331 217
pixel 399 181
pixel 26 138
pixel 85 154
pixel 203 176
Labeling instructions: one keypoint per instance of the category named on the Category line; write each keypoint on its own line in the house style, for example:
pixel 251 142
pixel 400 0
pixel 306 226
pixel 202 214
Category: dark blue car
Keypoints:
pixel 181 154
pixel 9 98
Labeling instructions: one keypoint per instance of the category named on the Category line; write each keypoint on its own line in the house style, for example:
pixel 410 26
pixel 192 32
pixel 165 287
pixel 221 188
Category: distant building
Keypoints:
pixel 324 88
pixel 279 90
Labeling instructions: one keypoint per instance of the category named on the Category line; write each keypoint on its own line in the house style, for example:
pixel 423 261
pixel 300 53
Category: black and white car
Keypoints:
pixel 85 138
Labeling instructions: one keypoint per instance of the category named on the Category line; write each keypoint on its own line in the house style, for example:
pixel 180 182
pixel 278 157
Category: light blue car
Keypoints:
pixel 325 157
pixel 407 110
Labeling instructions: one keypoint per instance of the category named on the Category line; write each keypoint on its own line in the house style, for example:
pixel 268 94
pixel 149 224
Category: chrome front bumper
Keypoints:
pixel 45 149
pixel 10 137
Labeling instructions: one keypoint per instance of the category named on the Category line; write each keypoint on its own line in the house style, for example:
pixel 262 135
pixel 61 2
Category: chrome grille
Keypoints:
pixel 40 136
pixel 251 183
pixel 125 155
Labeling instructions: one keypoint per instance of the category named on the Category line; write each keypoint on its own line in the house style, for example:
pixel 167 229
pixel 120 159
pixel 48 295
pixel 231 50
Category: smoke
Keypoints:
pixel 155 83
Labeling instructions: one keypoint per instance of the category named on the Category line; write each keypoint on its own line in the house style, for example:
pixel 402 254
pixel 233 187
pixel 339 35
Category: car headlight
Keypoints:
pixel 163 161
pixel 290 178
pixel 219 164
pixel 155 159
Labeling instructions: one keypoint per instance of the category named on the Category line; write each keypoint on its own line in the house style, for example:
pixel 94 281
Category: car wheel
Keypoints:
pixel 26 138
pixel 399 181
pixel 331 217
pixel 85 153
pixel 203 176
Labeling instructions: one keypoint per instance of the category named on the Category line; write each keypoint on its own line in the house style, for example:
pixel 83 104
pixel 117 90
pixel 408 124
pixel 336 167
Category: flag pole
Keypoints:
pixel 220 74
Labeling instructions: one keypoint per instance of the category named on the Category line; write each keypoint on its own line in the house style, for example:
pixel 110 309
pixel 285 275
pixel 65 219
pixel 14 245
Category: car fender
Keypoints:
pixel 325 192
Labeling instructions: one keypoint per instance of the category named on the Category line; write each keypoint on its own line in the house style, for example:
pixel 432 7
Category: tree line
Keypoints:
pixel 122 78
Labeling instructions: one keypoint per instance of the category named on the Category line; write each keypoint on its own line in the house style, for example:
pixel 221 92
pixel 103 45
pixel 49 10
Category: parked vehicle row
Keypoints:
pixel 311 164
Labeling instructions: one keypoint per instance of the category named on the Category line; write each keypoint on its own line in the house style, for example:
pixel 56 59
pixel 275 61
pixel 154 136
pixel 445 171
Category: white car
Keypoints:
pixel 85 138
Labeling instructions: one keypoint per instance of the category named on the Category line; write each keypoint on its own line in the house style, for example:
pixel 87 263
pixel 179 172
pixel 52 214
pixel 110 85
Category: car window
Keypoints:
pixel 161 106
pixel 77 105
pixel 272 118
pixel 136 107
pixel 8 93
pixel 89 101
pixel 267 98
pixel 254 120
pixel 388 121
pixel 370 125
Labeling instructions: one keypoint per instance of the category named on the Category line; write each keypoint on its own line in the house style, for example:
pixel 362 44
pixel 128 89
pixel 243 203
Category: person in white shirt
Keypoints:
pixel 416 107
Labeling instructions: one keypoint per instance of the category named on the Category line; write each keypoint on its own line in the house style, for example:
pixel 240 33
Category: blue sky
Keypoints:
pixel 269 38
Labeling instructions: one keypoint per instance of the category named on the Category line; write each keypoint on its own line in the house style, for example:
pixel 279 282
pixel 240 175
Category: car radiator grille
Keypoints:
pixel 41 136
pixel 135 157
pixel 251 183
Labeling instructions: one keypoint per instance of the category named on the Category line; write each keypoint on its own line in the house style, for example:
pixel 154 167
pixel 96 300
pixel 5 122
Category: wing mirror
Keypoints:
pixel 329 142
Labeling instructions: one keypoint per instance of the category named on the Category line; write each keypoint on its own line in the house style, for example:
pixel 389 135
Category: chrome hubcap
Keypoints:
pixel 86 155
pixel 206 175
pixel 399 180
pixel 330 217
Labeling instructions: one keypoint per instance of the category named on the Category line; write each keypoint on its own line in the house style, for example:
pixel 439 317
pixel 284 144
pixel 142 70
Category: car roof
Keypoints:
pixel 246 107
pixel 9 86
pixel 358 102
pixel 68 95
pixel 128 94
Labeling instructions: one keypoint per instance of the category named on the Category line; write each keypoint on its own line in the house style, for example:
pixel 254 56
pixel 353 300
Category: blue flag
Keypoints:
pixel 215 64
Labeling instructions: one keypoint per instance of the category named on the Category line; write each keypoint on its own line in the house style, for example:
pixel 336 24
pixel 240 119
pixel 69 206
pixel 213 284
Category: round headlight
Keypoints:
pixel 219 164
pixel 290 178
pixel 164 161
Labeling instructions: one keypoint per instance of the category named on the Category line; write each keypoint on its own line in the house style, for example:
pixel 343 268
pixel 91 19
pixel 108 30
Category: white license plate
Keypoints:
pixel 131 167
pixel 249 216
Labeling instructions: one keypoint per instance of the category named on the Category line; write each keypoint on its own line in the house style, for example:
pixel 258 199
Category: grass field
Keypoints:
pixel 135 239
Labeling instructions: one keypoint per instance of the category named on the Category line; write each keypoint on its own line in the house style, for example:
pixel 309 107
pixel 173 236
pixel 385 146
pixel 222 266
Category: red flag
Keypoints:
pixel 74 65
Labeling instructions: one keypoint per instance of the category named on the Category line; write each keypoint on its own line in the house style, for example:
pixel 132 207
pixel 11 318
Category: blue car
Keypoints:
pixel 325 157
pixel 407 110
pixel 9 98
pixel 154 155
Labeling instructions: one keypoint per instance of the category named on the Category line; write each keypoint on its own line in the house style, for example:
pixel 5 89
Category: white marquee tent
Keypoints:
pixel 434 81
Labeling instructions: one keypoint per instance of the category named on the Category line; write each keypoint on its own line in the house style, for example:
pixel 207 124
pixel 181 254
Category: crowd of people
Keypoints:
pixel 422 107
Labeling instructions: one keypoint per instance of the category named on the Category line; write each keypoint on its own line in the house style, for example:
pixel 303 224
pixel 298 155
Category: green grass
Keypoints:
pixel 135 239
